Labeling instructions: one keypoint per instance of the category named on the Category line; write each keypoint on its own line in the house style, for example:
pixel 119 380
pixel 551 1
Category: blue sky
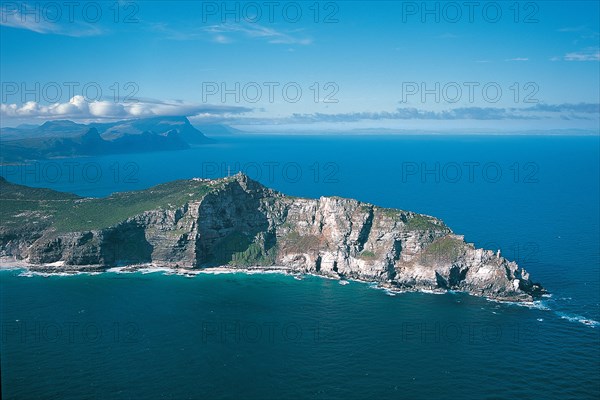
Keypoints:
pixel 344 65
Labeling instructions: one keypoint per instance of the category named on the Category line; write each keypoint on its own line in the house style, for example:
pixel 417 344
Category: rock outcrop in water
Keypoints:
pixel 239 223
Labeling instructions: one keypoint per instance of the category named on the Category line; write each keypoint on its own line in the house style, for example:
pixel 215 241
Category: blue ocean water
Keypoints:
pixel 271 336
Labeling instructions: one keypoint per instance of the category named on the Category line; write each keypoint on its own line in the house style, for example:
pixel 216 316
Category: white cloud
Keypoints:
pixel 24 16
pixel 540 112
pixel 104 108
pixel 448 35
pixel 589 54
pixel 572 29
pixel 256 31
pixel 517 59
pixel 79 108
pixel 228 33
pixel 221 39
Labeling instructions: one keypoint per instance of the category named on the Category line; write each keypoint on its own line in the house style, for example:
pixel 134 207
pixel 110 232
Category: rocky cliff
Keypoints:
pixel 239 223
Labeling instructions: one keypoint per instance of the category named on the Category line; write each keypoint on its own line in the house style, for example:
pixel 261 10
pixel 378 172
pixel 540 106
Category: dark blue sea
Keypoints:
pixel 270 336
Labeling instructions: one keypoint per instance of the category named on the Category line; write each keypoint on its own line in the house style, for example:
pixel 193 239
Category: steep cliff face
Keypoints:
pixel 239 223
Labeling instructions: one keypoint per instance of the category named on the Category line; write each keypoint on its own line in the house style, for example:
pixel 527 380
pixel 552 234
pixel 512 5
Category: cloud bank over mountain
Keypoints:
pixel 80 108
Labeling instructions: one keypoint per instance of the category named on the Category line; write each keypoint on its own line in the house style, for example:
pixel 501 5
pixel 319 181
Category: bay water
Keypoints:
pixel 271 336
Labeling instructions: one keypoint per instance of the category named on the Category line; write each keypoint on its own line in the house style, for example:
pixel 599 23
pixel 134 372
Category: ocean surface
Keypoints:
pixel 272 336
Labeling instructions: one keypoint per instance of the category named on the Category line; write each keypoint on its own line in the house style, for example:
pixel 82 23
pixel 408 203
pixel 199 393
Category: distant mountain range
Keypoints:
pixel 63 138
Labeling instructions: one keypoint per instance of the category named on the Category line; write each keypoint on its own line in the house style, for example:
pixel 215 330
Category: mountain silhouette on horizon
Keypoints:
pixel 65 138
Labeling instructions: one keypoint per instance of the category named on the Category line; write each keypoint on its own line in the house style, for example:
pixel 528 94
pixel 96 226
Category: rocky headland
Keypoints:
pixel 237 223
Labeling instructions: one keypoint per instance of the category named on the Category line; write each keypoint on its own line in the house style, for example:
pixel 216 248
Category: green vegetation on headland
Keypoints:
pixel 413 221
pixel 443 249
pixel 243 250
pixel 367 255
pixel 68 212
pixel 420 222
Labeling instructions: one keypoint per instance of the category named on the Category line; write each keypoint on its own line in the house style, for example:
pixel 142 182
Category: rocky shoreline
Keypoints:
pixel 7 263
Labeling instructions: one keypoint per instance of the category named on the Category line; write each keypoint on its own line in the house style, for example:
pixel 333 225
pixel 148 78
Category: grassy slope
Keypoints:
pixel 67 212
pixel 415 222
